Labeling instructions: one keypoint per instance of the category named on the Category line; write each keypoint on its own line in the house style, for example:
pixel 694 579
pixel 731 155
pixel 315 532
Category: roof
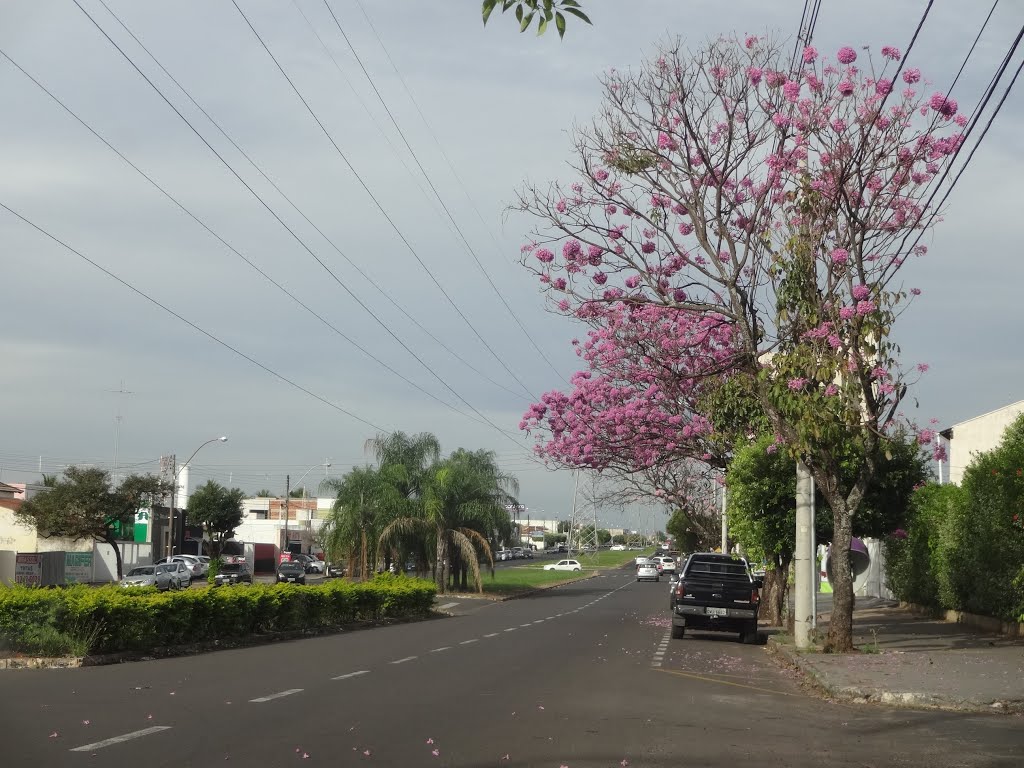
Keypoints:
pixel 11 488
pixel 1019 405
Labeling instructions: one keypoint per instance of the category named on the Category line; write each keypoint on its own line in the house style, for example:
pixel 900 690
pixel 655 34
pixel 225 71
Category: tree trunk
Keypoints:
pixel 776 589
pixel 363 558
pixel 464 586
pixel 441 567
pixel 840 624
pixel 117 555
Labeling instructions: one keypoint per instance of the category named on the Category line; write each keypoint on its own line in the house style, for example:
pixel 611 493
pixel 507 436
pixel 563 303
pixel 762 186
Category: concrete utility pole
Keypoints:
pixel 287 495
pixel 725 525
pixel 803 558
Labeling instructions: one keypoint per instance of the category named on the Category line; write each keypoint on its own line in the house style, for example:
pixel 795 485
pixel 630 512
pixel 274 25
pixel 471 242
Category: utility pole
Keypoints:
pixel 572 519
pixel 287 495
pixel 803 558
pixel 725 525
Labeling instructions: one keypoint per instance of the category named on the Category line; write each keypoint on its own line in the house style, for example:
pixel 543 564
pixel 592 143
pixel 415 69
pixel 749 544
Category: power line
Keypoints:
pixel 378 204
pixel 430 183
pixel 188 322
pixel 281 192
pixel 289 229
pixel 228 245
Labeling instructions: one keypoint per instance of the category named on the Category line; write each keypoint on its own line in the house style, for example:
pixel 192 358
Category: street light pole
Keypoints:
pixel 175 471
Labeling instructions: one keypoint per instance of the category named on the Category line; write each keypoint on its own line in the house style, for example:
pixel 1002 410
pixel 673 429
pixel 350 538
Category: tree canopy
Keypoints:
pixel 219 510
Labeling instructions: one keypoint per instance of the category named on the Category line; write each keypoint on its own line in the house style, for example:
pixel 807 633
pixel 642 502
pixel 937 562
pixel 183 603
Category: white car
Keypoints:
pixel 642 559
pixel 647 572
pixel 564 565
pixel 617 548
pixel 668 565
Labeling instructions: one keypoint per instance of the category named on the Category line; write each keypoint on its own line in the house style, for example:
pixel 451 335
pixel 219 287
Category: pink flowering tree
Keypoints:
pixel 718 188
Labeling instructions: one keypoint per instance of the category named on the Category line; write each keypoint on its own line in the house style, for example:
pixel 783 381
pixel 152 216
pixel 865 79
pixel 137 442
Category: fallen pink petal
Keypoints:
pixel 305 755
pixel 430 741
pixel 366 752
pixel 85 722
pixel 54 735
pixel 435 752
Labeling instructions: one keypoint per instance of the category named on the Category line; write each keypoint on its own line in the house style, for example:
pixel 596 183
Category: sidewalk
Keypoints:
pixel 906 659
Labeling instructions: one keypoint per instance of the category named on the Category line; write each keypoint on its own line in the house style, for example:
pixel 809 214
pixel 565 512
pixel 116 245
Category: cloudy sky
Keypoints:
pixel 497 108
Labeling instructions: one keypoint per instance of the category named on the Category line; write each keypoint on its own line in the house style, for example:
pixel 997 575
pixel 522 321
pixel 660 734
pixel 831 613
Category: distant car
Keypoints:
pixel 668 565
pixel 564 565
pixel 309 563
pixel 179 569
pixel 504 554
pixel 337 570
pixel 617 548
pixel 233 573
pixel 192 564
pixel 641 559
pixel 160 576
pixel 647 572
pixel 293 572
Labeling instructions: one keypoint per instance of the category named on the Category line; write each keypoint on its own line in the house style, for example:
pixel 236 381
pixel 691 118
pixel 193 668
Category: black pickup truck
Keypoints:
pixel 716 593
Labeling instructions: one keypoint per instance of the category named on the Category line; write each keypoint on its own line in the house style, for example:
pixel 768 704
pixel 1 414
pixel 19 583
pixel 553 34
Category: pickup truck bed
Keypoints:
pixel 716 593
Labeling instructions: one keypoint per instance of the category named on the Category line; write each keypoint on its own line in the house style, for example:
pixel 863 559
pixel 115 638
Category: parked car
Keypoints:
pixel 716 593
pixel 179 570
pixel 291 572
pixel 647 572
pixel 309 563
pixel 233 573
pixel 337 570
pixel 191 563
pixel 617 548
pixel 160 576
pixel 564 565
pixel 504 554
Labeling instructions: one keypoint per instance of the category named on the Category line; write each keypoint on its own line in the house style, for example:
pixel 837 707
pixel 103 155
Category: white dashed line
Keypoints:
pixel 539 621
pixel 442 648
pixel 525 625
pixel 352 674
pixel 273 696
pixel 119 739
pixel 402 661
pixel 549 618
pixel 511 629
pixel 492 634
pixel 446 606
pixel 467 642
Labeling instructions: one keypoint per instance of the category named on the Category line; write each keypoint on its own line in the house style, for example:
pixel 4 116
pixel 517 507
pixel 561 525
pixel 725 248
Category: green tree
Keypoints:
pixel 355 522
pixel 544 11
pixel 219 510
pixel 82 505
pixel 563 526
pixel 461 508
pixel 265 494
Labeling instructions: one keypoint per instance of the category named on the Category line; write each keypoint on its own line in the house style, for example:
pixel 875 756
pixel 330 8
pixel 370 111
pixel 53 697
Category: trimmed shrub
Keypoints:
pixel 79 620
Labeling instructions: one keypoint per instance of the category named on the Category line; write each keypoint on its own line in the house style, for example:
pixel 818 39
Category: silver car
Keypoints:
pixel 163 577
pixel 647 572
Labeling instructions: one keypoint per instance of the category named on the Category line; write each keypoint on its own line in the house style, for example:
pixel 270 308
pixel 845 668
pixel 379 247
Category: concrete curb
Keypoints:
pixel 1010 629
pixel 819 679
pixel 515 596
pixel 122 657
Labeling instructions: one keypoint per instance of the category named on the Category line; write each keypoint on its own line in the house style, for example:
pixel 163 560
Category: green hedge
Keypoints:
pixel 964 546
pixel 78 620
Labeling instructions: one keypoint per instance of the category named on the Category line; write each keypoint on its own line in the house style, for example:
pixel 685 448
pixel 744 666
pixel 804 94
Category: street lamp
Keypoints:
pixel 176 471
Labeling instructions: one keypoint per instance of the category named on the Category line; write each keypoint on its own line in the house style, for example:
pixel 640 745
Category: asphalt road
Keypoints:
pixel 583 675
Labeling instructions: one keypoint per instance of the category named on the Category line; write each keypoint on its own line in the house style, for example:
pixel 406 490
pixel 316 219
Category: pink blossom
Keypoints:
pixel 883 87
pixel 834 341
pixel 912 75
pixel 846 55
pixel 845 87
pixel 571 250
pixel 891 53
pixel 632 281
pixel 960 120
pixel 600 278
pixel 600 174
pixel 560 206
pixel 865 307
pixel 791 90
pixel 926 437
pixel 685 229
pixel 831 390
pixel 559 284
pixel 944 106
pixel 563 305
pixel 774 78
pixel 754 74
pixel 544 255
pixel 915 291
pixel 847 312
pixel 922 367
pixel 861 291
pixel 647 247
pixel 665 141
pixel 810 54
pixel 840 256
pixel 594 253
pixel 796 384
pixel 751 41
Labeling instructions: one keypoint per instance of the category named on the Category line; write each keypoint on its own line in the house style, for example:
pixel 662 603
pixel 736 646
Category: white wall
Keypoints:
pixel 982 433
pixel 104 564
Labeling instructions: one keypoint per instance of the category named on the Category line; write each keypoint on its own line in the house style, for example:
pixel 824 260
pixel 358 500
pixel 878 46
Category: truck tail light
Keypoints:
pixel 755 597
pixel 680 590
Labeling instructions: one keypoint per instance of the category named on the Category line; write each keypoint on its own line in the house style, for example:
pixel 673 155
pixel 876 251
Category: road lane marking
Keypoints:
pixel 539 621
pixel 549 618
pixel 442 648
pixel 273 696
pixel 511 629
pixel 119 739
pixel 492 634
pixel 446 606
pixel 724 682
pixel 352 674
pixel 467 642
pixel 525 625
pixel 402 661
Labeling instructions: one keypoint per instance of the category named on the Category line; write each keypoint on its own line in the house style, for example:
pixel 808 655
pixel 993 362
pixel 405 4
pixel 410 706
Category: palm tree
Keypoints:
pixel 355 520
pixel 461 505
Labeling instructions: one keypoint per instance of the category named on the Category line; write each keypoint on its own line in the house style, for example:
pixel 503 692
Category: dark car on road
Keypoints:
pixel 233 573
pixel 716 593
pixel 291 572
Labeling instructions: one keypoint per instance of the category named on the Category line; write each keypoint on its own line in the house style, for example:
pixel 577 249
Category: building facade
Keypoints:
pixel 973 436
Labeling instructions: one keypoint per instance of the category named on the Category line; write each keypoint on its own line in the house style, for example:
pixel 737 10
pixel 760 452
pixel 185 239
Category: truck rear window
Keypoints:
pixel 729 570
